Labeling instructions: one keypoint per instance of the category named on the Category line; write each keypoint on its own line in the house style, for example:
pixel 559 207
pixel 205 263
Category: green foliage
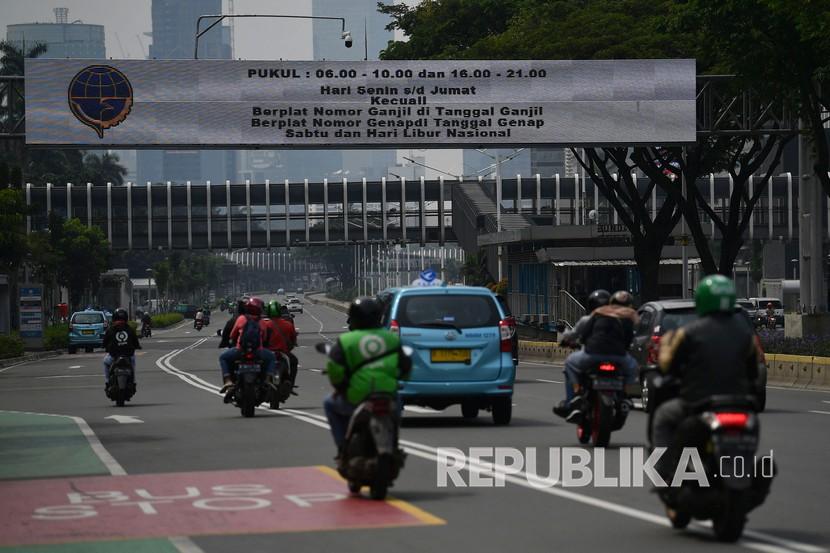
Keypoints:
pixel 85 254
pixel 10 346
pixel 12 229
pixel 56 336
pixel 474 271
pixel 341 294
pixel 166 319
pixel 774 342
pixel 188 275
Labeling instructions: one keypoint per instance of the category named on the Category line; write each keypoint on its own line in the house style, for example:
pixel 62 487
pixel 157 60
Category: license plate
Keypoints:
pixel 450 355
pixel 607 384
pixel 248 368
pixel 87 332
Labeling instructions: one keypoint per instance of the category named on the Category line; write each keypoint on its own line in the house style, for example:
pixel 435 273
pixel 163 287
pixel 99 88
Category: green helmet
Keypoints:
pixel 715 293
pixel 273 309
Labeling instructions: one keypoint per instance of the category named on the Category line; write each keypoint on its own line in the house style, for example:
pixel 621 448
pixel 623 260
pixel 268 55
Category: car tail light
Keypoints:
pixel 506 335
pixel 653 349
pixel 395 327
pixel 379 406
pixel 607 367
pixel 732 420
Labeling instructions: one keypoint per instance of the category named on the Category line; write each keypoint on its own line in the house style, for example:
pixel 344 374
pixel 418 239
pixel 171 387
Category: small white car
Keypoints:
pixel 294 306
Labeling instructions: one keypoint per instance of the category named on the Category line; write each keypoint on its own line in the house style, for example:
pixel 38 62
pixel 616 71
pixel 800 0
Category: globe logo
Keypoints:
pixel 100 97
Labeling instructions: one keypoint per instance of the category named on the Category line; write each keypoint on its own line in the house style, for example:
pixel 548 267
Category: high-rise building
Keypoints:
pixel 62 39
pixel 174 24
pixel 548 161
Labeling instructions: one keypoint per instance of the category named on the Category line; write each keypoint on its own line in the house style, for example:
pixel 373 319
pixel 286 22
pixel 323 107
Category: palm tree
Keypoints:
pixel 11 57
pixel 103 169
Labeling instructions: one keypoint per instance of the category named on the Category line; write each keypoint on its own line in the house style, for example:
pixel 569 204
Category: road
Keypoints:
pixel 177 439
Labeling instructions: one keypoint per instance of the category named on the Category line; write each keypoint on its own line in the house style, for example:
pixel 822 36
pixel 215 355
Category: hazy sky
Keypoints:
pixel 126 21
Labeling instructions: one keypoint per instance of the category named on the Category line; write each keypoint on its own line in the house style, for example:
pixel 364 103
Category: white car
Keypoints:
pixel 294 306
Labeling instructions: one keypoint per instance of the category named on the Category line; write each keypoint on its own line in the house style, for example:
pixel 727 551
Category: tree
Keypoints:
pixel 12 57
pixel 85 254
pixel 101 169
pixel 779 47
pixel 648 235
pixel 12 230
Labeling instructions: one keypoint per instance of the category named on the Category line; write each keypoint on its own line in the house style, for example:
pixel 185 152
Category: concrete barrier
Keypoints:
pixel 821 373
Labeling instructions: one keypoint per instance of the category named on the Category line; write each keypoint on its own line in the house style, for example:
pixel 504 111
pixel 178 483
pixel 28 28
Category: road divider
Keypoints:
pixel 795 371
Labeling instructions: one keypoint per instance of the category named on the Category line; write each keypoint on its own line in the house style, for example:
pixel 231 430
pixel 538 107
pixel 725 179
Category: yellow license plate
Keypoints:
pixel 450 356
pixel 87 332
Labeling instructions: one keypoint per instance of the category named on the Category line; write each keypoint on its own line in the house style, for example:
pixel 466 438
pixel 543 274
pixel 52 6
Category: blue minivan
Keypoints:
pixel 462 346
pixel 86 330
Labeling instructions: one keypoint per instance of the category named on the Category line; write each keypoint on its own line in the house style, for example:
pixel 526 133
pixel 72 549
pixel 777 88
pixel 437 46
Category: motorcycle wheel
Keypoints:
pixel 729 524
pixel 247 402
pixel 380 485
pixel 354 487
pixel 602 422
pixel 119 397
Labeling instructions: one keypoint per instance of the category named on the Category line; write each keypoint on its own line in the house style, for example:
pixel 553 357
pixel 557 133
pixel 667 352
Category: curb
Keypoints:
pixel 320 299
pixel 30 357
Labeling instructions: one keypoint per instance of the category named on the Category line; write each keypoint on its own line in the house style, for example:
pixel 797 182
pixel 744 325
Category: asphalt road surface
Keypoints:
pixel 189 474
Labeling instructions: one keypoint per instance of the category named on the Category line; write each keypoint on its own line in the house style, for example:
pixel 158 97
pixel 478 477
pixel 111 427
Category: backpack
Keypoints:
pixel 251 338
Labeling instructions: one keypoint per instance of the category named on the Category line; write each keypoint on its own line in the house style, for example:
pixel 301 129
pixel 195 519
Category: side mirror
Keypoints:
pixel 407 350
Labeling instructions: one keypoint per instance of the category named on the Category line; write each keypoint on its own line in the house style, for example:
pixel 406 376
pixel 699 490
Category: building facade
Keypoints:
pixel 62 38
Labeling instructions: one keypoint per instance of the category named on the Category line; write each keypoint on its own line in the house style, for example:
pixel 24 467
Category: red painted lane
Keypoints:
pixel 189 503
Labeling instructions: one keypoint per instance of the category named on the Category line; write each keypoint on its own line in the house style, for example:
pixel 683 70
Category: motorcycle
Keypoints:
pixel 283 387
pixel 146 331
pixel 604 405
pixel 121 381
pixel 371 456
pixel 198 324
pixel 252 388
pixel 725 432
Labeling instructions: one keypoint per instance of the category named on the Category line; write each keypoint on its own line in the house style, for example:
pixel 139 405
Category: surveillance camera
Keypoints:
pixel 592 215
pixel 347 37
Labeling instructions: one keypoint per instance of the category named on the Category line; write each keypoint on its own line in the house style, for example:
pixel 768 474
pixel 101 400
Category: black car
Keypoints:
pixel 657 318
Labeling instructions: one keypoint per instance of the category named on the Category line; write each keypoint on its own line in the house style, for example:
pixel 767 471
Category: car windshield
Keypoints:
pixel 451 311
pixel 87 318
pixel 676 318
pixel 746 304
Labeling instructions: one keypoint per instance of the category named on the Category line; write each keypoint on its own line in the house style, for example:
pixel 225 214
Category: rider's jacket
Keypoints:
pixel 120 339
pixel 280 334
pixel 716 354
pixel 610 330
pixel 363 362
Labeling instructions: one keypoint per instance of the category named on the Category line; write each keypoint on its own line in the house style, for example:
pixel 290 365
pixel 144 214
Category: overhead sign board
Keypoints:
pixel 376 104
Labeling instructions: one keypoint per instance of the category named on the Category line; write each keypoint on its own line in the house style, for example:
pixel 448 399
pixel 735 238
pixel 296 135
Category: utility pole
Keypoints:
pixel 810 225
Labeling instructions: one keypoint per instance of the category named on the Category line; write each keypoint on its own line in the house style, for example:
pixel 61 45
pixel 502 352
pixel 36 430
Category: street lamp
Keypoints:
pixel 795 268
pixel 344 34
pixel 150 289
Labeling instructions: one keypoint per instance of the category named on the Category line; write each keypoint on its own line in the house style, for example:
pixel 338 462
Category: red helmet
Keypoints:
pixel 255 307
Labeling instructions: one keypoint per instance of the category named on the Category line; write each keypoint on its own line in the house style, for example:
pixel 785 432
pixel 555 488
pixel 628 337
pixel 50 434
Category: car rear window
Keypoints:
pixel 676 318
pixel 746 304
pixel 87 318
pixel 775 304
pixel 461 311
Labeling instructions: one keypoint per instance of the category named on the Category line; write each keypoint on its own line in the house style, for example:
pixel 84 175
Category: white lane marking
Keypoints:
pixel 523 479
pixel 423 410
pixel 825 401
pixel 316 370
pixel 75 366
pixel 66 376
pixel 183 544
pixel 177 327
pixel 551 381
pixel 821 412
pixel 96 445
pixel 798 389
pixel 320 332
pixel 125 419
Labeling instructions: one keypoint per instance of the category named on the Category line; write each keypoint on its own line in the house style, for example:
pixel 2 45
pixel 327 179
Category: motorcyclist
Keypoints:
pixel 120 340
pixel 146 322
pixel 253 313
pixel 770 315
pixel 225 342
pixel 199 318
pixel 713 355
pixel 281 336
pixel 364 360
pixel 606 335
pixel 289 318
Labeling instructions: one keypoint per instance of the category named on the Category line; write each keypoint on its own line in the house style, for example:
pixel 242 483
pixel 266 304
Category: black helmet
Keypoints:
pixel 240 305
pixel 622 297
pixel 598 298
pixel 364 313
pixel 120 315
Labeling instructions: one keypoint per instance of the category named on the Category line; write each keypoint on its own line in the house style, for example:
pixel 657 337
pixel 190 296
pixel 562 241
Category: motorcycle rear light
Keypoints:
pixel 652 349
pixel 379 406
pixel 607 367
pixel 732 420
pixel 506 335
pixel 395 327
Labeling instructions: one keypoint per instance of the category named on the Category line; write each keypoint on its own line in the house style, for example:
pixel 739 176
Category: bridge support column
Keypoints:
pixel 810 230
